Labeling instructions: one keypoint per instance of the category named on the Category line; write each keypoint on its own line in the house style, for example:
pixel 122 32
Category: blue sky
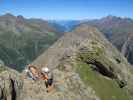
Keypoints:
pixel 67 9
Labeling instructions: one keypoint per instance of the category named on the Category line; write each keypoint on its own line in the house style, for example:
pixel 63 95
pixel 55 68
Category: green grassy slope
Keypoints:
pixel 105 88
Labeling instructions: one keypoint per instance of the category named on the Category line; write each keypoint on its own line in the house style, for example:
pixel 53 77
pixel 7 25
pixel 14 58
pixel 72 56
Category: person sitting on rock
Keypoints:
pixel 34 72
pixel 48 77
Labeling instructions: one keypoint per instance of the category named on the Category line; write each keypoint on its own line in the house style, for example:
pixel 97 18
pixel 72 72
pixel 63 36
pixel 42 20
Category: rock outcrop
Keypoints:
pixel 10 84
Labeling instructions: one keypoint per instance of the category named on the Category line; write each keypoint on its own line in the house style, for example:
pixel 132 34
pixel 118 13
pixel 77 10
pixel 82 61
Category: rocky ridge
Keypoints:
pixel 88 65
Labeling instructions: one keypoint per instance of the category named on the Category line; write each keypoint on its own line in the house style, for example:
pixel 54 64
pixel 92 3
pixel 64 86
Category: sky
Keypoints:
pixel 67 9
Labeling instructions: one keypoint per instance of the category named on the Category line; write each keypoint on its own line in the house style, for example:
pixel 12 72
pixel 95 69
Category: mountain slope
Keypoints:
pixel 87 65
pixel 127 49
pixel 22 40
pixel 116 29
pixel 86 53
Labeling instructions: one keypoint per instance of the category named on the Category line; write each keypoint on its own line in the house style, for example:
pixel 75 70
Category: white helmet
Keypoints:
pixel 45 69
pixel 26 70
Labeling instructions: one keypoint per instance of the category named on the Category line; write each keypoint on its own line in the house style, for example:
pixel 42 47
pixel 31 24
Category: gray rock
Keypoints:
pixel 10 85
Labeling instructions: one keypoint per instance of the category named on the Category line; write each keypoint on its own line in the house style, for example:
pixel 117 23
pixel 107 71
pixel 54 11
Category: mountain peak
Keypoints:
pixel 111 18
pixel 8 15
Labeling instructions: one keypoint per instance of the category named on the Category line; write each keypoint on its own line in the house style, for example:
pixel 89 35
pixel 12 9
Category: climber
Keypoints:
pixel 33 72
pixel 48 78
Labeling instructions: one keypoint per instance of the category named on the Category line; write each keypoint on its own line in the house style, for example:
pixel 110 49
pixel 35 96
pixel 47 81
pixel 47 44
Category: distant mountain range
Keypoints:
pixel 22 40
pixel 116 29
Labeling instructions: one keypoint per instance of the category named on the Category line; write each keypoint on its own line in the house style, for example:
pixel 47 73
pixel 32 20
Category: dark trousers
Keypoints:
pixel 48 82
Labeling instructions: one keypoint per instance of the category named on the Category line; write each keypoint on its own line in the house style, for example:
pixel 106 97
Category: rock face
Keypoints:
pixel 10 84
pixel 127 49
pixel 85 67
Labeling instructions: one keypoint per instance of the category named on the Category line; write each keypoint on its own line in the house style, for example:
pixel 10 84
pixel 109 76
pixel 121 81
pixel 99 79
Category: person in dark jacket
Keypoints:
pixel 48 78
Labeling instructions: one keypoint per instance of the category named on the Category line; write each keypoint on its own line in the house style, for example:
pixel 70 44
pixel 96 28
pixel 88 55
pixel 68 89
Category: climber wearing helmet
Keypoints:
pixel 48 78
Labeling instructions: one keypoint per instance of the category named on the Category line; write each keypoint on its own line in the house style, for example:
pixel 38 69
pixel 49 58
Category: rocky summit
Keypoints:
pixel 87 65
